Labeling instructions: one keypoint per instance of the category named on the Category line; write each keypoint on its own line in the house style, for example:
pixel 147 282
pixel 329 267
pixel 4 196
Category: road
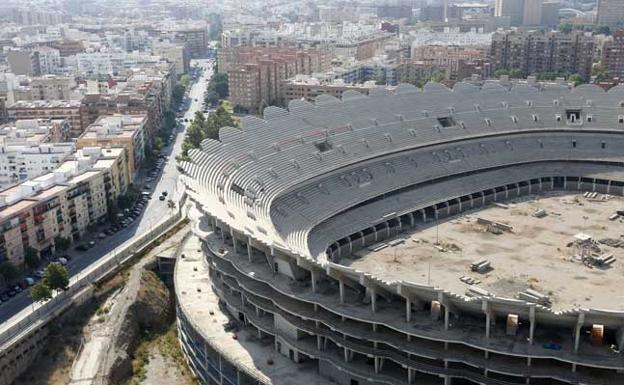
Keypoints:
pixel 154 211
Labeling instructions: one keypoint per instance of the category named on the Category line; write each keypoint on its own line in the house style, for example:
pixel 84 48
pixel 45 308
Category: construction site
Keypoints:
pixel 560 250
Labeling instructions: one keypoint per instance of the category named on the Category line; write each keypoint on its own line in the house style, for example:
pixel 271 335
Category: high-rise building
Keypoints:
pixel 613 56
pixel 514 9
pixel 532 12
pixel 524 12
pixel 255 74
pixel 534 52
pixel 24 62
pixel 610 12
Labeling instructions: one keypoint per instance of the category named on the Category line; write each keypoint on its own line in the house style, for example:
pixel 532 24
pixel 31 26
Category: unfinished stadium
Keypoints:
pixel 436 236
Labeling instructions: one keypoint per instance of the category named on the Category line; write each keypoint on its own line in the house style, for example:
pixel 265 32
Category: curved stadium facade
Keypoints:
pixel 289 199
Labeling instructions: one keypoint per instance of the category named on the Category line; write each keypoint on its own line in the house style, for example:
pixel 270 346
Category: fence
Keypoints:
pixel 39 314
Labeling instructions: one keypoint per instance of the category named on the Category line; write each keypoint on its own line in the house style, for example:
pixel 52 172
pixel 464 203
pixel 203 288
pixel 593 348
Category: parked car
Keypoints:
pixel 164 193
pixel 39 273
pixel 162 198
pixel 102 235
pixel 91 244
pixel 62 261
pixel 81 247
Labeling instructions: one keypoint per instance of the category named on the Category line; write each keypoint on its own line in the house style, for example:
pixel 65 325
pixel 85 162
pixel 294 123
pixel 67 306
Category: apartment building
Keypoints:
pixel 118 131
pixel 27 150
pixel 69 110
pixel 52 87
pixel 255 74
pixel 612 59
pixel 304 87
pixel 24 62
pixel 610 12
pixel 534 52
pixel 196 37
pixel 450 57
pixel 176 53
pixel 62 203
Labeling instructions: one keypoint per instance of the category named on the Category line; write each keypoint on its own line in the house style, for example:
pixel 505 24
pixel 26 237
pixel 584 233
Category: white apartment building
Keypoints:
pixel 25 151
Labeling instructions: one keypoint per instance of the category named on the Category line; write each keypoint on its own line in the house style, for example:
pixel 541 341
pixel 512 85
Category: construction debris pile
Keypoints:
pixel 589 252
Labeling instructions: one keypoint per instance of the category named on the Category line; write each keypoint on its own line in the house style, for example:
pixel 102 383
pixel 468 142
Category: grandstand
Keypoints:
pixel 296 207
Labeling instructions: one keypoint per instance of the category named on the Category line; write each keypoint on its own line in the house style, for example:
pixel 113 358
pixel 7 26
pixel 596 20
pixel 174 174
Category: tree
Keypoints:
pixel 185 81
pixel 8 271
pixel 40 292
pixel 159 144
pixel 212 98
pixel 566 28
pixel 576 79
pixel 599 73
pixel 177 94
pixel 500 72
pixel 56 277
pixel 62 244
pixel 31 257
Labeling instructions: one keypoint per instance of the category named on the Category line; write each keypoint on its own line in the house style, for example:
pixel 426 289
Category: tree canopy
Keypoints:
pixel 40 292
pixel 55 277
pixel 202 128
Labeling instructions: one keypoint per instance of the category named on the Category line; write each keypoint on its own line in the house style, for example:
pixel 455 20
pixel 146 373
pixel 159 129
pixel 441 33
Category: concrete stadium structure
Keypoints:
pixel 286 198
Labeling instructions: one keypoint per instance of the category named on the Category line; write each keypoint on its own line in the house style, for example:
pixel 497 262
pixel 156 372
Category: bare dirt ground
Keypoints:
pixel 534 254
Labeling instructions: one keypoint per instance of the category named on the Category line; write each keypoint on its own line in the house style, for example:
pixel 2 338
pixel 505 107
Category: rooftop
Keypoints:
pixel 538 253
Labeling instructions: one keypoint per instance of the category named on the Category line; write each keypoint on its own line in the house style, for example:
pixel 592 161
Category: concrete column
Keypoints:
pixel 435 213
pixel 530 187
pixel 447 380
pixel 341 290
pixel 408 309
pixel 471 201
pixel 517 189
pixel 609 187
pixel 495 194
pixel 387 229
pixel 577 332
pixel 410 375
pixel 375 232
pixel 448 208
pixel 234 241
pixel 377 365
pixel 319 343
pixel 249 251
pixel 446 318
pixel 459 203
pixel 552 183
pixel 485 306
pixel 259 334
pixel 531 324
pixel 362 238
pixel 565 182
pixel 540 184
pixel 346 354
pixel 400 224
pixel 350 245
pixel 594 184
pixel 578 184
pixel 373 300
pixel 313 278
pixel 424 215
pixel 411 217
pixel 506 192
pixel 482 198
